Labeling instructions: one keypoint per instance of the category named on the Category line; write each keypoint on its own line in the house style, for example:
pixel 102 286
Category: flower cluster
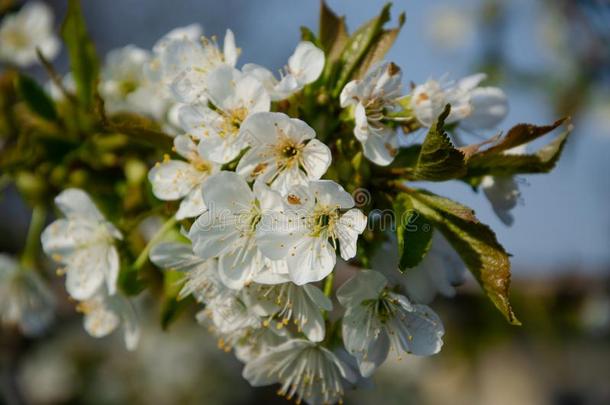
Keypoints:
pixel 84 243
pixel 290 212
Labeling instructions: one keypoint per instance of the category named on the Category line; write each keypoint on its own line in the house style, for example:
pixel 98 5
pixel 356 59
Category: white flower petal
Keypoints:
pixel 112 269
pixel 173 179
pixel 331 194
pixel 489 108
pixel 227 191
pixel 315 158
pixel 192 205
pixel 366 285
pixel 310 260
pixel 230 50
pixel 503 194
pixel 381 148
pixel 351 224
pixel 85 271
pixel 263 75
pixel 349 94
pixel 421 331
pixel 307 62
pixel 185 147
pixel 74 202
pixel 174 256
pixel 376 355
pixel 237 266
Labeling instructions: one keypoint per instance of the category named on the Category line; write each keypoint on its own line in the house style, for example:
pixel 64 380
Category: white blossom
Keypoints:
pixel 202 279
pixel 182 180
pixel 440 271
pixel 472 106
pixel 125 86
pixel 104 313
pixel 301 305
pixel 255 342
pixel 235 96
pixel 192 32
pixel 232 314
pixel 283 151
pixel 183 63
pixel 305 231
pixel 227 229
pixel 305 370
pixel 378 320
pixel 84 243
pixel 374 97
pixel 304 67
pixel 503 191
pixel 25 300
pixel 29 28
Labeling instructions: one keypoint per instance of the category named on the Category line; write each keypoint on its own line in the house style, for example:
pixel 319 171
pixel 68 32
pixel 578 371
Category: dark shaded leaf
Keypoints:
pixel 84 63
pixel 518 135
pixel 476 244
pixel 333 32
pixel 406 157
pixel 413 232
pixel 439 160
pixel 36 98
pixel 379 48
pixel 504 164
pixel 140 129
pixel 129 281
pixel 357 46
pixel 308 35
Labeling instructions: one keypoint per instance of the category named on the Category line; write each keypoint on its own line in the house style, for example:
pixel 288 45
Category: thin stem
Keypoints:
pixel 399 186
pixel 328 284
pixel 143 257
pixel 55 77
pixel 32 242
pixel 328 289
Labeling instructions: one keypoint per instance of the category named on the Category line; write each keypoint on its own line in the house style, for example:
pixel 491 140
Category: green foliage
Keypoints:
pixel 84 63
pixel 370 37
pixel 494 161
pixel 35 97
pixel 333 34
pixel 139 129
pixel 413 233
pixel 476 244
pixel 380 46
pixel 438 159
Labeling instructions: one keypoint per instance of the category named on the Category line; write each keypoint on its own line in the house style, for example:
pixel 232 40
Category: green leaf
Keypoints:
pixel 129 280
pixel 476 244
pixel 36 98
pixel 379 48
pixel 140 129
pixel 413 232
pixel 518 135
pixel 308 35
pixel 406 157
pixel 357 46
pixel 504 164
pixel 81 51
pixel 333 33
pixel 447 206
pixel 439 160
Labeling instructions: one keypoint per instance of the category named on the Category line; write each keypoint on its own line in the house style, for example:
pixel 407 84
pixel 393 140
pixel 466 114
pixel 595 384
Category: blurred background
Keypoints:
pixel 553 60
